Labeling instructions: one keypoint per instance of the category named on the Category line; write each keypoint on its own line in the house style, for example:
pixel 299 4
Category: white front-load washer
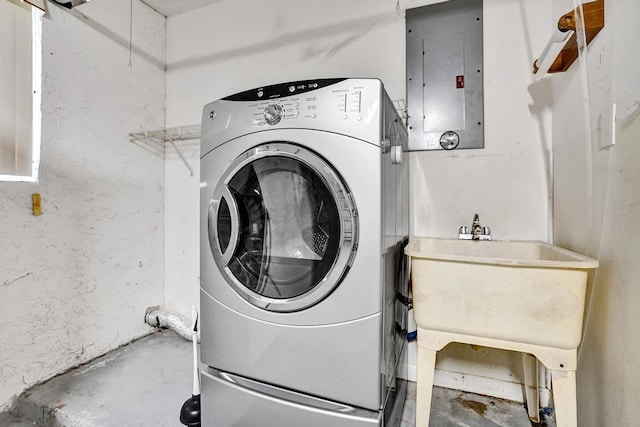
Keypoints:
pixel 304 211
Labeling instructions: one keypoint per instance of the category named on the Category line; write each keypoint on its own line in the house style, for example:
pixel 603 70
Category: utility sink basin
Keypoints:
pixel 520 291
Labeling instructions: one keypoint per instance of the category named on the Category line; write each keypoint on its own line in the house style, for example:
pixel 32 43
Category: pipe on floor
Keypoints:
pixel 165 319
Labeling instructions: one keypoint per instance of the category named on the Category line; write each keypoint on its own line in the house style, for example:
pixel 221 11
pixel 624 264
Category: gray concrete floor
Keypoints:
pixel 146 382
pixel 453 408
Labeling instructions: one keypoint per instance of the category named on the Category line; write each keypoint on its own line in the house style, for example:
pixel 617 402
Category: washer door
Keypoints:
pixel 282 227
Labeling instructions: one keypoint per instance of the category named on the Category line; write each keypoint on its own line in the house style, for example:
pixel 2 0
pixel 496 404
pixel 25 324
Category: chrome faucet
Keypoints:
pixel 478 232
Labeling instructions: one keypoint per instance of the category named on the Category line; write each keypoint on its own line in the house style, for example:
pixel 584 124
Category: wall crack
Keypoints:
pixel 12 281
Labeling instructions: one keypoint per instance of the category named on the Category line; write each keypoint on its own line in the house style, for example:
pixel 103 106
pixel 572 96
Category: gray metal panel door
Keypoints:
pixel 445 99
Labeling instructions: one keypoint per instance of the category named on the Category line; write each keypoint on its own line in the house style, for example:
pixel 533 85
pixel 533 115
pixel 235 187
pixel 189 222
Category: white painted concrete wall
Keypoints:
pixel 74 282
pixel 597 211
pixel 506 182
pixel 232 46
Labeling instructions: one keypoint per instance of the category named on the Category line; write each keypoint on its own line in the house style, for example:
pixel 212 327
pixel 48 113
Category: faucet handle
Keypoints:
pixel 486 231
pixel 463 233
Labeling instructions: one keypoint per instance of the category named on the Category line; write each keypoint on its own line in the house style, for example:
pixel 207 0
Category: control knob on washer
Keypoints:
pixel 273 114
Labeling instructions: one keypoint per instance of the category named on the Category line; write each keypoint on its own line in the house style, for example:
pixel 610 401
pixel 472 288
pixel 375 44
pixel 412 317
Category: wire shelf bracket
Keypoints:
pixel 157 139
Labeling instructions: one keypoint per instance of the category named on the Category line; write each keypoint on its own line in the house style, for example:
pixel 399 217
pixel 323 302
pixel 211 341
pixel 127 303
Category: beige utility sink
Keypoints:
pixel 526 291
pixel 525 296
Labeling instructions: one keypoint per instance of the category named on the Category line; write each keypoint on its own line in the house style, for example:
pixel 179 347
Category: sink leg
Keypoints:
pixel 426 367
pixel 530 368
pixel 563 384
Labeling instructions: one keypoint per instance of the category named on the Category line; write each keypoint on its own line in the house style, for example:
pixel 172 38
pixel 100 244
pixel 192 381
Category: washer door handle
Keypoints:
pixel 225 254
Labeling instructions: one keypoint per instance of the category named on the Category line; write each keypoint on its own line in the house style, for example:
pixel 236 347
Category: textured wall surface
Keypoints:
pixel 74 282
pixel 597 208
pixel 508 182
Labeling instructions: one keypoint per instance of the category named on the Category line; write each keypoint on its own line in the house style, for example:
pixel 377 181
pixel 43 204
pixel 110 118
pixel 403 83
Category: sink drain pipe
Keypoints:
pixel 158 318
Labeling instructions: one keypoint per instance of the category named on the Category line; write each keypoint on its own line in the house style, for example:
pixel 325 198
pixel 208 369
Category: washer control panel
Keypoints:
pixel 342 99
pixel 347 106
pixel 274 111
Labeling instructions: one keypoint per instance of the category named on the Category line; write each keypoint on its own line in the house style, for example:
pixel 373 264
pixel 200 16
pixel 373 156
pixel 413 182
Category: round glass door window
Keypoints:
pixel 282 227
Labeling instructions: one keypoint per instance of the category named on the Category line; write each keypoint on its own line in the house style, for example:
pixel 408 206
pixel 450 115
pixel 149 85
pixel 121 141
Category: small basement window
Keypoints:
pixel 20 90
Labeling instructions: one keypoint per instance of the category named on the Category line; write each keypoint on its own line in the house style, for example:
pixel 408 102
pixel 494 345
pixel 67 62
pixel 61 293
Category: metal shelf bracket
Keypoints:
pixel 157 139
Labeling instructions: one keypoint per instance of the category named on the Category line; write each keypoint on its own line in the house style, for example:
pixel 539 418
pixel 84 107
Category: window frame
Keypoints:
pixel 36 93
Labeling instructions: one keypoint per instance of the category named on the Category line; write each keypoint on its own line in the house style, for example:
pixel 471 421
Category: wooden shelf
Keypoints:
pixel 593 23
